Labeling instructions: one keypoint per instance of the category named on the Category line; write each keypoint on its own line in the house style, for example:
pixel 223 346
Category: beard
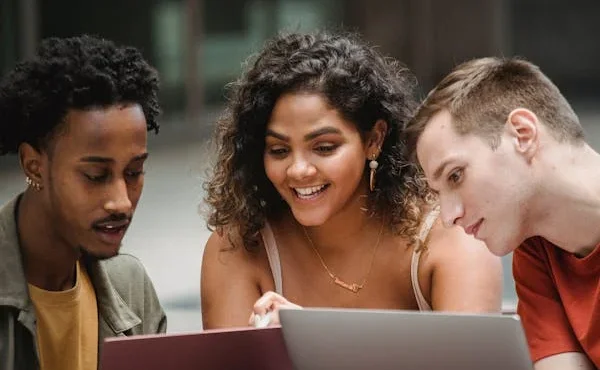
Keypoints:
pixel 92 256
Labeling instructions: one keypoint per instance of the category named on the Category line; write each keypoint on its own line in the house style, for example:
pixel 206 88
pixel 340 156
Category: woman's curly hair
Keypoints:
pixel 362 85
pixel 72 73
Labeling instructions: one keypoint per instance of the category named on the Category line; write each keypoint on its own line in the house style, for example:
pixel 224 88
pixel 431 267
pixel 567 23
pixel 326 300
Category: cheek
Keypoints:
pixel 275 170
pixel 135 192
pixel 70 191
pixel 74 203
pixel 348 167
pixel 70 205
pixel 348 175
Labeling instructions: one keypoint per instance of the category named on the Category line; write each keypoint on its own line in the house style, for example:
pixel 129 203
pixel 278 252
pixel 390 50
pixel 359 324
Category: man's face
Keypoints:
pixel 481 189
pixel 93 177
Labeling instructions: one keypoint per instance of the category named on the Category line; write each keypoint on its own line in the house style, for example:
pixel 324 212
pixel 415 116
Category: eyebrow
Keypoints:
pixel 96 159
pixel 440 169
pixel 307 137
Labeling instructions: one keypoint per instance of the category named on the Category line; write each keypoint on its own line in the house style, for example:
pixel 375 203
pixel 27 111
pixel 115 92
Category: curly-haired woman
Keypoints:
pixel 312 197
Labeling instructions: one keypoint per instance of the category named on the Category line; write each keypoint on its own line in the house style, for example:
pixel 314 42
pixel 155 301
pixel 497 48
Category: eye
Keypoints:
pixel 326 148
pixel 455 176
pixel 96 178
pixel 277 151
pixel 134 174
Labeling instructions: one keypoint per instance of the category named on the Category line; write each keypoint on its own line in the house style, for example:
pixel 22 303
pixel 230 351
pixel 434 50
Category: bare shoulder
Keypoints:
pixel 466 276
pixel 222 257
pixel 232 279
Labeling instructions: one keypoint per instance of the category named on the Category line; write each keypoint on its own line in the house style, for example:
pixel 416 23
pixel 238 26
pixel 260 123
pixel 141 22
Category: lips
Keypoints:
pixel 309 192
pixel 473 228
pixel 111 232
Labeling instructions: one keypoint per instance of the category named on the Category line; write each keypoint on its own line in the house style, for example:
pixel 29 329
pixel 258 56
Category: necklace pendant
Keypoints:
pixel 354 288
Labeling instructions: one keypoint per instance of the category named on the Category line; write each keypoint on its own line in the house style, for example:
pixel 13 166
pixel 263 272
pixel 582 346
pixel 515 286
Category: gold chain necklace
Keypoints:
pixel 354 287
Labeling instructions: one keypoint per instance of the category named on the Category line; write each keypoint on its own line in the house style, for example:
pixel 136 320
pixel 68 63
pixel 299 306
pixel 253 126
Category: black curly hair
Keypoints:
pixel 356 80
pixel 72 73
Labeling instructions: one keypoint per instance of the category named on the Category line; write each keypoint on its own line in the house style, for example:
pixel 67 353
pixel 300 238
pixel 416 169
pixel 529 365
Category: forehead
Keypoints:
pixel 438 134
pixel 301 112
pixel 116 131
pixel 439 142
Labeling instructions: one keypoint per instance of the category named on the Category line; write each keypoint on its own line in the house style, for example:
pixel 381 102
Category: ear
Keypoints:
pixel 522 126
pixel 31 162
pixel 376 138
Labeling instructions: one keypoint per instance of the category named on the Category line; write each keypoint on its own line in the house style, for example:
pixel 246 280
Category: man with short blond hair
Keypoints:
pixel 506 154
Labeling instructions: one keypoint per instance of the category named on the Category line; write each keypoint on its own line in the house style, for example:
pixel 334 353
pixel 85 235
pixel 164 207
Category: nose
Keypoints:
pixel 118 198
pixel 301 168
pixel 452 209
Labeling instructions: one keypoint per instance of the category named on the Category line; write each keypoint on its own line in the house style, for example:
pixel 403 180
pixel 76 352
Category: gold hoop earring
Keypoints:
pixel 373 164
pixel 32 184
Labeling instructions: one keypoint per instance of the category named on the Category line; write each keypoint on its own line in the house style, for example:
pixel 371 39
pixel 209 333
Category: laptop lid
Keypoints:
pixel 243 348
pixel 353 339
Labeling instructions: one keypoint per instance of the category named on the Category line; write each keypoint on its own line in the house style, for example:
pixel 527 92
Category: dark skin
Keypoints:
pixel 91 178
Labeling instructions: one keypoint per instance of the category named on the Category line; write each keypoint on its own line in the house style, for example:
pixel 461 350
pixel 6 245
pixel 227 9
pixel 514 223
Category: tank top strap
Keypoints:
pixel 273 256
pixel 416 257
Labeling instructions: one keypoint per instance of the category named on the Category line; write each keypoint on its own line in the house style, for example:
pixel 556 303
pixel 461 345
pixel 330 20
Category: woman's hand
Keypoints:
pixel 266 309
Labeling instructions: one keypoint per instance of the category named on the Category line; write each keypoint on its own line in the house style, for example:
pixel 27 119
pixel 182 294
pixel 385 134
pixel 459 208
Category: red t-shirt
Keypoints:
pixel 559 299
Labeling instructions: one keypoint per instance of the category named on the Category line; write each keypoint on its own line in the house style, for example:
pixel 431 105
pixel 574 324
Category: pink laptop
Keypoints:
pixel 244 348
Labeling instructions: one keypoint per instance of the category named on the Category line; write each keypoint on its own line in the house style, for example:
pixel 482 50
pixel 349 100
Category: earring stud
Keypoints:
pixel 35 185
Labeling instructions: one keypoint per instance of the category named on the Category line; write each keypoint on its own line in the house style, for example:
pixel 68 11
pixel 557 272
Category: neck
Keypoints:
pixel 350 227
pixel 566 210
pixel 48 260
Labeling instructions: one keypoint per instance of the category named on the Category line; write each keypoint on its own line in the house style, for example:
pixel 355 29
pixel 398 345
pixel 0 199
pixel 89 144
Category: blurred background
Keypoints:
pixel 198 46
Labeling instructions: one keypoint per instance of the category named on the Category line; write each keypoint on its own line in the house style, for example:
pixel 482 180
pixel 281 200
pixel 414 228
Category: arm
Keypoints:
pixel 230 283
pixel 551 340
pixel 466 276
pixel 565 361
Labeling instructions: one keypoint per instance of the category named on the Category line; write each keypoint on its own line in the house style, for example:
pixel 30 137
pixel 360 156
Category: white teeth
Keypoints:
pixel 114 225
pixel 310 190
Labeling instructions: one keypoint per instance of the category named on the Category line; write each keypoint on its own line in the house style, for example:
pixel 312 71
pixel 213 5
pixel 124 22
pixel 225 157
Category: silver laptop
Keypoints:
pixel 353 339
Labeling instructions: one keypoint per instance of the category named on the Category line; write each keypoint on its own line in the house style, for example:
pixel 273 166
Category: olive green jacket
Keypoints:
pixel 127 301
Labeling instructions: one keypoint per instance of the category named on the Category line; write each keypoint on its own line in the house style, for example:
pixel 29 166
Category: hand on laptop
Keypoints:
pixel 266 309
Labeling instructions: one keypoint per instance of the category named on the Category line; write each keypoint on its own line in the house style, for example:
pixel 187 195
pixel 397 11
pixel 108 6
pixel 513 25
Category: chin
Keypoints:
pixel 308 220
pixel 499 249
pixel 100 254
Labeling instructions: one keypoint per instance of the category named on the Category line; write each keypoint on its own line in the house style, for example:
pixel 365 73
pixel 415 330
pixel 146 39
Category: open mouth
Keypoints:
pixel 110 229
pixel 111 232
pixel 310 192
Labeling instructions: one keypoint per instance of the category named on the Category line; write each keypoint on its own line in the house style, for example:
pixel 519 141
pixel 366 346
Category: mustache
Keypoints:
pixel 113 218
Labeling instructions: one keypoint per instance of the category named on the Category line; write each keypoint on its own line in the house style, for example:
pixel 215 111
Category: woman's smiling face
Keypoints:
pixel 314 157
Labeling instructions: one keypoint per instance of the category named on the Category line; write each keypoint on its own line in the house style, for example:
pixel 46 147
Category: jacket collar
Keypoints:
pixel 13 284
pixel 111 306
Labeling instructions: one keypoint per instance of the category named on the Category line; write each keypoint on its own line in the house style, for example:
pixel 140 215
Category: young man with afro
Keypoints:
pixel 77 116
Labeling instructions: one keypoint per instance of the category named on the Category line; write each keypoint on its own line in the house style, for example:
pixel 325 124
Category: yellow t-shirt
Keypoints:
pixel 67 325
